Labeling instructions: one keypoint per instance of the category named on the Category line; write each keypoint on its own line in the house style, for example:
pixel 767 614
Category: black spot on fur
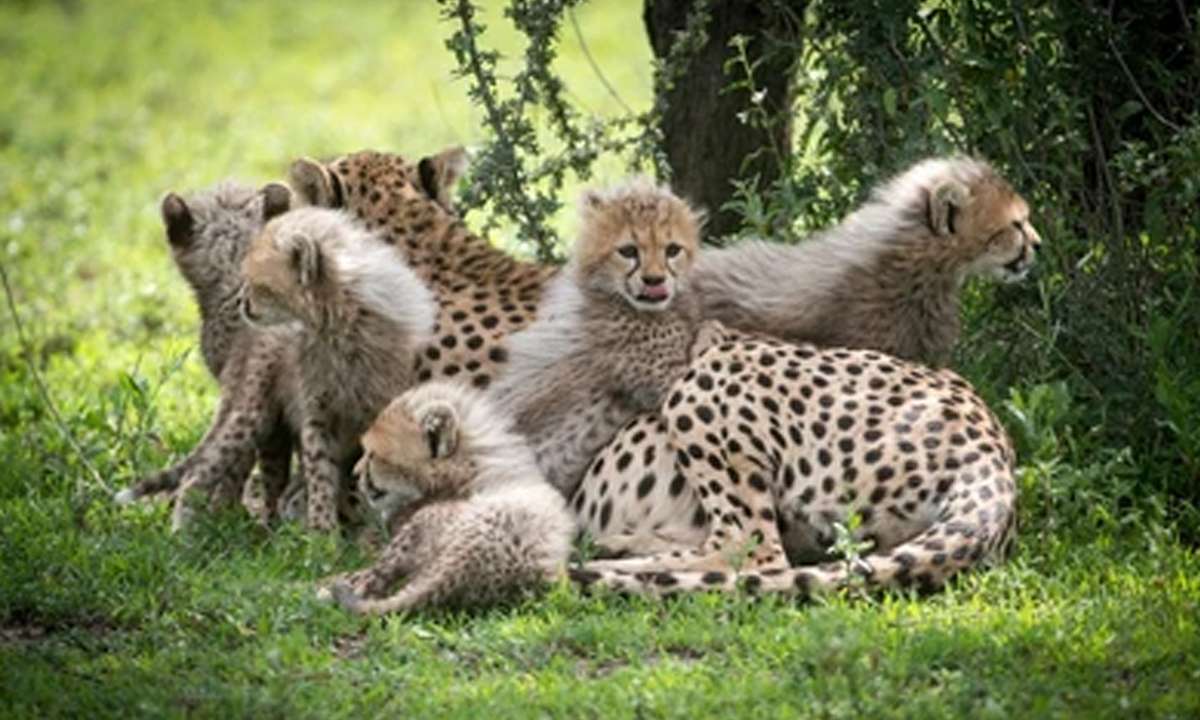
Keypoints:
pixel 605 513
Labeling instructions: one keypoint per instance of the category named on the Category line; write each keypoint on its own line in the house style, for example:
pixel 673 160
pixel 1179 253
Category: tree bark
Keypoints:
pixel 706 145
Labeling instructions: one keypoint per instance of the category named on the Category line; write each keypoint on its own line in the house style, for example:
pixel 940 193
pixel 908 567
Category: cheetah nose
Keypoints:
pixel 653 280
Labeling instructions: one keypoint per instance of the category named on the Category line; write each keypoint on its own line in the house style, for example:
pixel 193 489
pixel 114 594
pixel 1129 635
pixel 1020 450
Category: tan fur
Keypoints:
pixel 208 234
pixel 485 523
pixel 613 332
pixel 888 277
pixel 363 313
pixel 764 447
pixel 483 294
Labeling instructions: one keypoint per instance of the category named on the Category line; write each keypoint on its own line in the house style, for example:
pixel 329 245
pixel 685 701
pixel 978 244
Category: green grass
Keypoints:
pixel 103 613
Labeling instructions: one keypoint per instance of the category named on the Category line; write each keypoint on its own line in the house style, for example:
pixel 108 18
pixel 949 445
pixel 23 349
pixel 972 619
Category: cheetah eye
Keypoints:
pixel 673 250
pixel 628 251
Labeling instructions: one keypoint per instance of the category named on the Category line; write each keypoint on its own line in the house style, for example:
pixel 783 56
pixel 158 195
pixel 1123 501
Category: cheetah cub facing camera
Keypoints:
pixel 363 313
pixel 486 523
pixel 615 329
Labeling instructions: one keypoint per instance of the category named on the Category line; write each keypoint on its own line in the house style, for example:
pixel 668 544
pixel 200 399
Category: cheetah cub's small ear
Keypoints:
pixel 277 199
pixel 306 260
pixel 440 425
pixel 945 202
pixel 591 200
pixel 440 173
pixel 178 220
pixel 314 185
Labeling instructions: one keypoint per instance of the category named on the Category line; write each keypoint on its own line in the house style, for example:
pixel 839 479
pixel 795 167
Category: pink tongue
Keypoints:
pixel 657 292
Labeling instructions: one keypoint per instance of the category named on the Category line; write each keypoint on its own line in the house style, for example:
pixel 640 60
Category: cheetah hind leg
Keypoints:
pixel 633 544
pixel 742 535
pixel 959 542
pixel 417 543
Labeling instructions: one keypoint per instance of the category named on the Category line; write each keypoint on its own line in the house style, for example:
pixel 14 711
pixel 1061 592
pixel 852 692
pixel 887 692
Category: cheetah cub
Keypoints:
pixel 616 327
pixel 486 523
pixel 363 313
pixel 888 277
pixel 209 233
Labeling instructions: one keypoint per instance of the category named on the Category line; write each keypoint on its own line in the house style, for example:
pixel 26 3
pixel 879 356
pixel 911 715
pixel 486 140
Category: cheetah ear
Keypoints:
pixel 440 425
pixel 440 173
pixel 700 217
pixel 314 184
pixel 306 260
pixel 277 199
pixel 178 219
pixel 591 200
pixel 945 201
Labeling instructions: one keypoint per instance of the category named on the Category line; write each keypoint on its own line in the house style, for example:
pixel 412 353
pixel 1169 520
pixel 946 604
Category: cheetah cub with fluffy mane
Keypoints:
pixel 888 277
pixel 486 523
pixel 209 233
pixel 615 329
pixel 364 312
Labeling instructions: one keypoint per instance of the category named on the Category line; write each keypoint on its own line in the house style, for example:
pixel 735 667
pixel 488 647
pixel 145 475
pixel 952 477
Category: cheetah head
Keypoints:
pixel 985 220
pixel 291 271
pixel 412 451
pixel 383 187
pixel 209 232
pixel 637 241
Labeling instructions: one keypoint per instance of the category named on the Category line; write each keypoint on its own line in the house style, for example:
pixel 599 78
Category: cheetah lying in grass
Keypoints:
pixel 647 493
pixel 770 446
pixel 485 525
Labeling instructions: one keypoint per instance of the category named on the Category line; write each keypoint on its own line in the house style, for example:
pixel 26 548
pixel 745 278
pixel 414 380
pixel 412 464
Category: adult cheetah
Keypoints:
pixel 765 447
pixel 887 278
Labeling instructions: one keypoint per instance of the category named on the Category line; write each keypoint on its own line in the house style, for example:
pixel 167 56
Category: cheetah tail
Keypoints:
pixel 801 582
pixel 925 562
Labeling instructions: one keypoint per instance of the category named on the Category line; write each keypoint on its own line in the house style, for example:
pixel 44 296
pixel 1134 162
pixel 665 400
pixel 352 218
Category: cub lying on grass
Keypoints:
pixel 485 525
pixel 363 314
pixel 209 233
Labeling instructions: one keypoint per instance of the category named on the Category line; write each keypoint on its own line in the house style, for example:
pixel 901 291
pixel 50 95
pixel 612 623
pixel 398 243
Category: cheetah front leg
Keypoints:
pixel 735 496
pixel 649 542
pixel 321 471
pixel 417 543
pixel 220 469
pixel 169 479
pixel 263 491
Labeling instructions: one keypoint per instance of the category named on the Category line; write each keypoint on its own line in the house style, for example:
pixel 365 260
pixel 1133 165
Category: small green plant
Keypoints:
pixel 850 549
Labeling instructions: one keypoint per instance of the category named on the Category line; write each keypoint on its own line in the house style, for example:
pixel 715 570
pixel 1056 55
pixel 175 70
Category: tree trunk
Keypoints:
pixel 706 145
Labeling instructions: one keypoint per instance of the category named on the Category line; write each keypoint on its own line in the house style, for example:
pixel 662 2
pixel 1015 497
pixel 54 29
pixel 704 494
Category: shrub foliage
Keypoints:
pixel 1090 109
